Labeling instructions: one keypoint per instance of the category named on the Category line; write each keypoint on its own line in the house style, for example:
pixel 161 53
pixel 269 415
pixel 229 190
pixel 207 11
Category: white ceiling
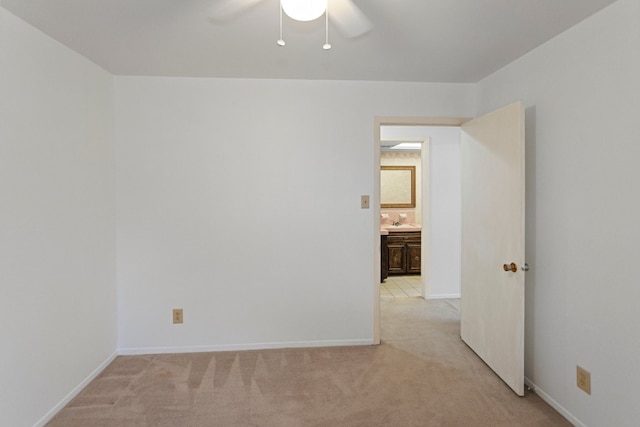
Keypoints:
pixel 412 40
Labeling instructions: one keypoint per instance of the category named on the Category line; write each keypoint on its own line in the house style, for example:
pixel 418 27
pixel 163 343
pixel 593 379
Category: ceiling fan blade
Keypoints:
pixel 348 18
pixel 224 10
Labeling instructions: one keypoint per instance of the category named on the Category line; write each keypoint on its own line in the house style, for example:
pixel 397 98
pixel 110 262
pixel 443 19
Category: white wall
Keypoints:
pixel 445 212
pixel 582 92
pixel 234 205
pixel 444 204
pixel 57 222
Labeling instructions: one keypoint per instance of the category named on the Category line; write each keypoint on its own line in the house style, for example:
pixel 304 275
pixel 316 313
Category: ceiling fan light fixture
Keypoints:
pixel 304 10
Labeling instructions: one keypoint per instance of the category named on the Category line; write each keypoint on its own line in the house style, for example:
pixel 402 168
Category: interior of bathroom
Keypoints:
pixel 400 219
pixel 420 234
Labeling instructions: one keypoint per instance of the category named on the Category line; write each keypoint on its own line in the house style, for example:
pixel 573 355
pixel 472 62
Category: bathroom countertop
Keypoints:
pixel 388 228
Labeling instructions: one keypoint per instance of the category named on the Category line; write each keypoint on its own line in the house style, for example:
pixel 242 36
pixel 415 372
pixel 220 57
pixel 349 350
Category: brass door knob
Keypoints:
pixel 510 267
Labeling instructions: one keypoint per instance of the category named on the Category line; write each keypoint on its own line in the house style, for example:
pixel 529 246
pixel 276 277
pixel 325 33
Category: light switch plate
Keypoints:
pixel 364 202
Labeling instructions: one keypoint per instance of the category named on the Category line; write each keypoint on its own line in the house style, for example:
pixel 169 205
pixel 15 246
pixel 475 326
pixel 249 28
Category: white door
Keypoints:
pixel 492 306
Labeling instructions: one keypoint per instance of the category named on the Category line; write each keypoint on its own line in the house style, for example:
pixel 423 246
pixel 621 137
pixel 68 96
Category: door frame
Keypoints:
pixel 395 121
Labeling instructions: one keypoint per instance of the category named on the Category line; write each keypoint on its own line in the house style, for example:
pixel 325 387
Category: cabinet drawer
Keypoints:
pixel 413 236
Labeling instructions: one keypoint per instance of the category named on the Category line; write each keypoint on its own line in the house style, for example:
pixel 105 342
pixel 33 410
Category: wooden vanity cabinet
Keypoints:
pixel 403 252
pixel 413 256
pixel 384 258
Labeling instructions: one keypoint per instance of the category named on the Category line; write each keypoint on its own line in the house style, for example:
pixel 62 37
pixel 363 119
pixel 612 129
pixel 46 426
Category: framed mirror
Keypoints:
pixel 398 186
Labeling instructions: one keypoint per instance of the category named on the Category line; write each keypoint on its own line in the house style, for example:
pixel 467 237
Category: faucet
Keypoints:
pixel 400 218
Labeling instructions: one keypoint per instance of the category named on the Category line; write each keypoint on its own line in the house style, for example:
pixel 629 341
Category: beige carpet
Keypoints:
pixel 422 375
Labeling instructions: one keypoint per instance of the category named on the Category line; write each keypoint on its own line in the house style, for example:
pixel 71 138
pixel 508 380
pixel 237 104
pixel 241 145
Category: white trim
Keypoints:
pixel 554 404
pixel 77 389
pixel 242 347
pixel 425 213
pixel 443 296
pixel 375 202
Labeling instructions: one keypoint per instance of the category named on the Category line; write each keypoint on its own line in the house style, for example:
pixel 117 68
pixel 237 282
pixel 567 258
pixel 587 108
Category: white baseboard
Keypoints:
pixel 49 415
pixel 443 296
pixel 554 404
pixel 241 347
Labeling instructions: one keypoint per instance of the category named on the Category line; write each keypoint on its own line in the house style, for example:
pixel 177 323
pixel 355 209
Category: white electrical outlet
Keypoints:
pixel 177 315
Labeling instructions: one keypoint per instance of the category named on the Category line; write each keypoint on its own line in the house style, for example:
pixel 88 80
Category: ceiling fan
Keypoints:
pixel 344 14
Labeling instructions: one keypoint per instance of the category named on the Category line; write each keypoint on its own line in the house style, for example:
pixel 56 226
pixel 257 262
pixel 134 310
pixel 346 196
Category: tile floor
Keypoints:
pixel 401 287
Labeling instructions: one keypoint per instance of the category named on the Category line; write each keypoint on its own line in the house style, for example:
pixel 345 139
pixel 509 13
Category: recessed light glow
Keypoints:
pixel 408 146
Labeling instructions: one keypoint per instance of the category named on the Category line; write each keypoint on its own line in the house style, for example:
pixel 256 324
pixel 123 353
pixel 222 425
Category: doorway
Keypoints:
pixel 415 128
pixel 404 162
